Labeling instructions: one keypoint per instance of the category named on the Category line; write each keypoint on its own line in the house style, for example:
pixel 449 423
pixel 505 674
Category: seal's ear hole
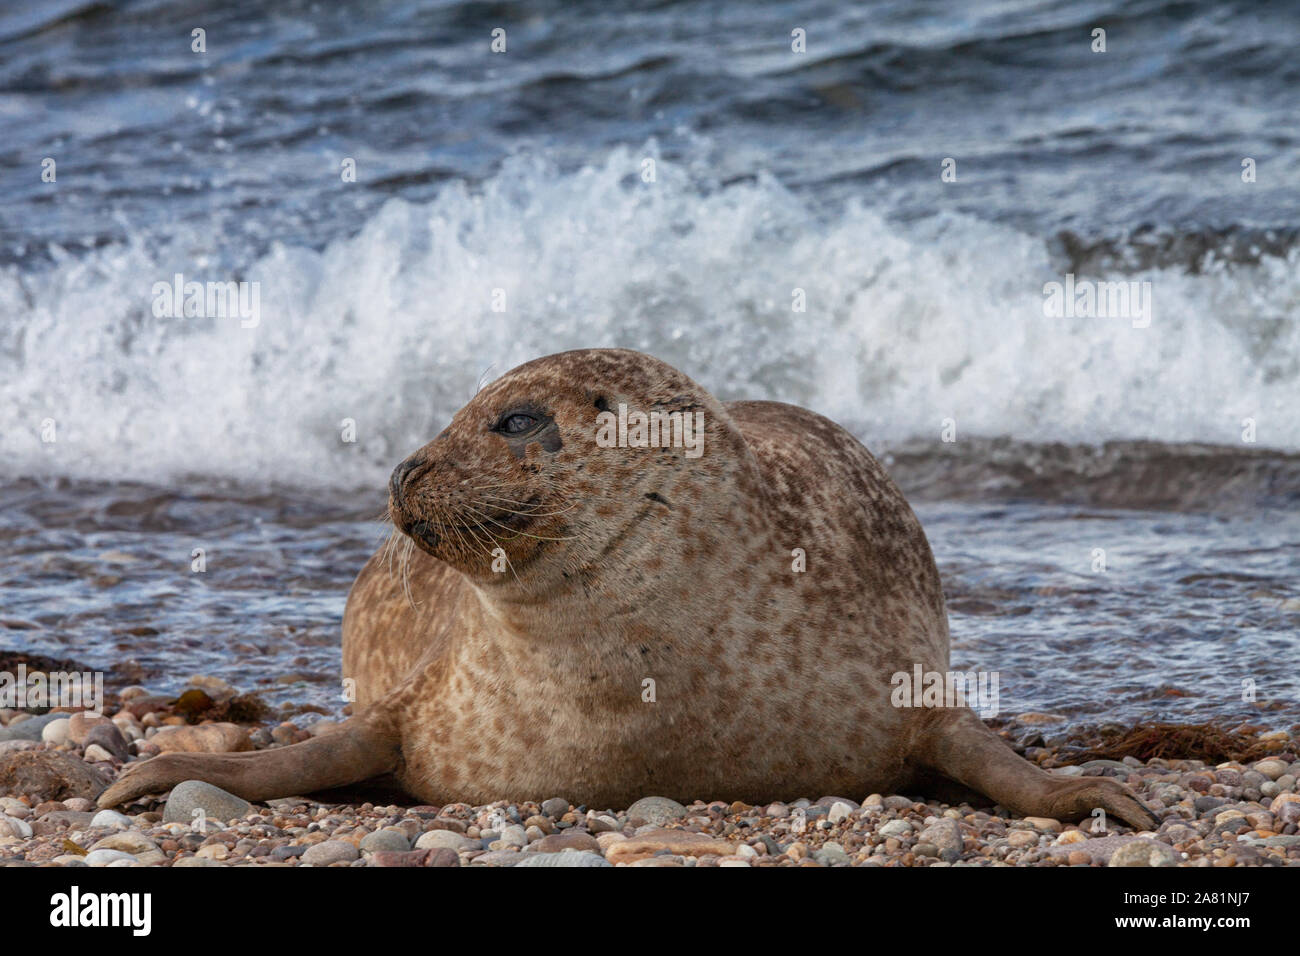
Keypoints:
pixel 601 403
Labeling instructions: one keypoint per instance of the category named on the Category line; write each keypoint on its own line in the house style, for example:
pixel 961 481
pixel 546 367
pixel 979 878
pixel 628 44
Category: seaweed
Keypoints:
pixel 1211 742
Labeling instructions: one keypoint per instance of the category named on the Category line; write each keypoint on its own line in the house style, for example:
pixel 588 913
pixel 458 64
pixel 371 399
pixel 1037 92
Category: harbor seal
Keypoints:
pixel 610 584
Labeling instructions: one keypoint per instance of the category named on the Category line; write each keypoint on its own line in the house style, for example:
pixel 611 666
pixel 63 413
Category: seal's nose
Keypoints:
pixel 399 478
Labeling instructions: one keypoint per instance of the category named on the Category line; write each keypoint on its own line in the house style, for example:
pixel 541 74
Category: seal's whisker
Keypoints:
pixel 406 572
pixel 487 552
pixel 458 528
pixel 462 545
pixel 390 546
pixel 529 514
pixel 530 482
pixel 514 531
pixel 506 556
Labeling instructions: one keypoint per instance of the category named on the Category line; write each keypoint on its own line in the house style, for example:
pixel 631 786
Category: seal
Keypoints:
pixel 595 597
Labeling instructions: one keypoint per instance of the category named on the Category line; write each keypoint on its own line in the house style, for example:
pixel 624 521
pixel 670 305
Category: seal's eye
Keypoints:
pixel 515 424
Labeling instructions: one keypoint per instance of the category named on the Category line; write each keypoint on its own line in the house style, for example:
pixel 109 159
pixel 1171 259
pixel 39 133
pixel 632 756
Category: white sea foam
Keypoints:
pixel 394 327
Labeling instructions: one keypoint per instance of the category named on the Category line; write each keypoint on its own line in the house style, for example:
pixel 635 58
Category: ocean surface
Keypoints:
pixel 670 177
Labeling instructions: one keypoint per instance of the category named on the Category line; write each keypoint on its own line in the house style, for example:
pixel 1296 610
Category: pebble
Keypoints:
pixel 55 733
pixel 107 737
pixel 1099 849
pixel 1232 814
pixel 215 803
pixel 1044 823
pixel 575 840
pixel 654 810
pixel 943 834
pixel 831 854
pixel 105 857
pixel 132 842
pixel 895 828
pixel 330 851
pixel 555 807
pixel 30 728
pixel 15 827
pixel 81 724
pixel 1142 852
pixel 389 840
pixel 446 840
pixel 110 818
pixel 839 812
pixel 678 842
pixel 49 775
pixel 203 738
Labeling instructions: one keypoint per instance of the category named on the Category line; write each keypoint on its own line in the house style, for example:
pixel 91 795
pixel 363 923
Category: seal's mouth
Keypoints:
pixel 424 532
pixel 513 518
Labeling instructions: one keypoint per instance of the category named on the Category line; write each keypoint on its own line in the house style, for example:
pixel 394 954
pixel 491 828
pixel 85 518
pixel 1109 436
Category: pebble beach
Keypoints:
pixel 1230 813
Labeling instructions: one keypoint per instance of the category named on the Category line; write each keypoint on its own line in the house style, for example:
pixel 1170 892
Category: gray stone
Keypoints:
pixel 831 854
pixel 215 803
pixel 895 828
pixel 555 807
pixel 1142 852
pixel 497 858
pixel 839 812
pixel 829 802
pixel 513 835
pixel 105 857
pixel 655 810
pixel 108 737
pixel 133 842
pixel 944 834
pixel 110 818
pixel 1208 804
pixel 446 840
pixel 19 828
pixel 330 851
pixel 1099 848
pixel 1283 840
pixel 31 728
pixel 385 840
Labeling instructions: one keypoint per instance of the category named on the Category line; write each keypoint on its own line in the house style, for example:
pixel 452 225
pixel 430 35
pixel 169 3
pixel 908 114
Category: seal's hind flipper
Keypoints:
pixel 960 746
pixel 357 750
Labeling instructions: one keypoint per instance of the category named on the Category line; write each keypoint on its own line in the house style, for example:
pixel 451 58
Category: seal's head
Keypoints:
pixel 562 463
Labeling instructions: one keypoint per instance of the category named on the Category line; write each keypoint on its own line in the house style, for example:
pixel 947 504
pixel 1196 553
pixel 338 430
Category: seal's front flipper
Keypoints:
pixel 359 749
pixel 960 746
